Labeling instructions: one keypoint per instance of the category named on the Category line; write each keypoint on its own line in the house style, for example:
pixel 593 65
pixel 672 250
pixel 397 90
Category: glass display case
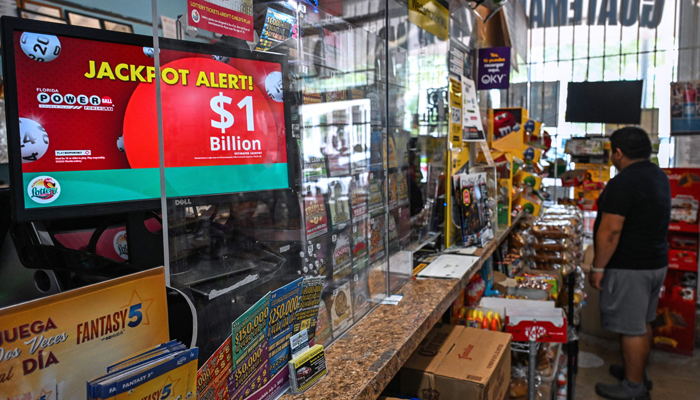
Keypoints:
pixel 326 161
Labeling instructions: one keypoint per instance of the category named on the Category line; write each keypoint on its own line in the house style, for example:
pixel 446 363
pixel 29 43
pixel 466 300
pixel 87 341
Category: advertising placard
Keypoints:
pixel 685 108
pixel 456 112
pixel 54 345
pixel 431 15
pixel 227 17
pixel 472 128
pixel 494 68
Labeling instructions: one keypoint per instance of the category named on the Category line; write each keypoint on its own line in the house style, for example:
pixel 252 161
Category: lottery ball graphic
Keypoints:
pixel 223 59
pixel 149 51
pixel 34 141
pixel 40 47
pixel 273 86
pixel 120 143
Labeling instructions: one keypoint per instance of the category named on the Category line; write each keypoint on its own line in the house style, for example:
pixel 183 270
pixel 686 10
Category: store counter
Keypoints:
pixel 364 360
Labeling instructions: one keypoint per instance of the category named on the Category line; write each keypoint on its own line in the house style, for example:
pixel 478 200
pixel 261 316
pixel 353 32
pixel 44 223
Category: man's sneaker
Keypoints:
pixel 619 392
pixel 618 371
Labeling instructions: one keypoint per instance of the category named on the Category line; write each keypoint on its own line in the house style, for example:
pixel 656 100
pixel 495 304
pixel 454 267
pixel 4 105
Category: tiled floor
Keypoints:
pixel 675 377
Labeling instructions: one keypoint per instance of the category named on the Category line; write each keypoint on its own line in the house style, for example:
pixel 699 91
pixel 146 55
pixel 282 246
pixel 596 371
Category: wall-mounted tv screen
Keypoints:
pixel 618 102
pixel 83 123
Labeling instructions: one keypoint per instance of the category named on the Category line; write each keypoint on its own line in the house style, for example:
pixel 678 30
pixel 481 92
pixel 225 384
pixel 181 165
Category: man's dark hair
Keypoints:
pixel 632 141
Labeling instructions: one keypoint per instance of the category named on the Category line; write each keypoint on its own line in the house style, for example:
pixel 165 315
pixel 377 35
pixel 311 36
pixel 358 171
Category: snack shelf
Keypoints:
pixel 364 360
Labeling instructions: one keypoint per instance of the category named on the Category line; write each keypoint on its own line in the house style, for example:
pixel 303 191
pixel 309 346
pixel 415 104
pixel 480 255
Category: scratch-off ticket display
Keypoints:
pixel 250 330
pixel 284 303
pixel 213 376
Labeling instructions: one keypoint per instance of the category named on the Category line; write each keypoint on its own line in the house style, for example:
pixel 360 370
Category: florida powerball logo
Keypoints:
pixel 44 189
pixel 51 98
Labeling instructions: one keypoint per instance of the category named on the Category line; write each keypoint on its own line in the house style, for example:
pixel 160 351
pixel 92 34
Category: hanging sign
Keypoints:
pixel 235 18
pixel 431 15
pixel 494 68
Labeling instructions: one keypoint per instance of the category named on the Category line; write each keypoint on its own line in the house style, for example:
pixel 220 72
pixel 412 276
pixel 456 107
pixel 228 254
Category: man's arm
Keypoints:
pixel 607 238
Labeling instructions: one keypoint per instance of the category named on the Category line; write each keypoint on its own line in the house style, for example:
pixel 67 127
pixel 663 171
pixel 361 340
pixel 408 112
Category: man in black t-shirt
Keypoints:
pixel 631 257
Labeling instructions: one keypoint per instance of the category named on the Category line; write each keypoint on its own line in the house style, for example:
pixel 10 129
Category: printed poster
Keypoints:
pixel 494 68
pixel 472 128
pixel 431 15
pixel 57 343
pixel 456 112
pixel 685 108
pixel 227 17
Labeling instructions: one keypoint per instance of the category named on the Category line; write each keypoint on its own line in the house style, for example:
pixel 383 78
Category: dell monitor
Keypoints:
pixel 83 122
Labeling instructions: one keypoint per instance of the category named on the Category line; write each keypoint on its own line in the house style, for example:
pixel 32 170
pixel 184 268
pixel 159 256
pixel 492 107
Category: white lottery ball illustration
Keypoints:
pixel 149 51
pixel 120 143
pixel 40 47
pixel 273 86
pixel 223 59
pixel 34 141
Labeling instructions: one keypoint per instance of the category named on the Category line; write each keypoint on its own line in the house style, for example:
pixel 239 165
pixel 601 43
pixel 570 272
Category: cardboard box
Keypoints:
pixel 454 363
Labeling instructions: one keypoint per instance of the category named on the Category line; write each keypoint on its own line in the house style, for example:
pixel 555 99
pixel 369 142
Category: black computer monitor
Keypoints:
pixel 83 121
pixel 614 102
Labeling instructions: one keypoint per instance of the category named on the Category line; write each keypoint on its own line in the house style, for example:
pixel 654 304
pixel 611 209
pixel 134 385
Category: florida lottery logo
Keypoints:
pixel 43 189
pixel 120 245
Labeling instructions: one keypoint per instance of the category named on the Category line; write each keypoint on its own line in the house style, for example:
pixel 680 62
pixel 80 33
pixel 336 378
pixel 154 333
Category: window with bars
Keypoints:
pixel 601 40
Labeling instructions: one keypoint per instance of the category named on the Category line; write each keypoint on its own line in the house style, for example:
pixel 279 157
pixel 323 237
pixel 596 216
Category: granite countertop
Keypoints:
pixel 363 361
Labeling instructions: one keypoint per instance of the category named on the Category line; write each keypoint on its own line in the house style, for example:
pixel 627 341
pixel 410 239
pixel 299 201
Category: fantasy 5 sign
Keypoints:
pixel 50 347
pixel 554 13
